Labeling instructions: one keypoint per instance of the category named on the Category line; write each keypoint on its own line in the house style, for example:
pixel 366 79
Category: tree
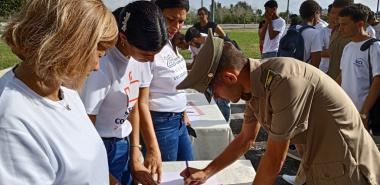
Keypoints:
pixel 259 12
pixel 10 7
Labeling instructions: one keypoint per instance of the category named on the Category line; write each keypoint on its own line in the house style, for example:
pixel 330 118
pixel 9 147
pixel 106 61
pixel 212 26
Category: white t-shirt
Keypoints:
pixel 312 41
pixel 321 24
pixel 355 70
pixel 194 50
pixel 377 30
pixel 111 92
pixel 47 142
pixel 325 34
pixel 272 45
pixel 168 69
pixel 371 31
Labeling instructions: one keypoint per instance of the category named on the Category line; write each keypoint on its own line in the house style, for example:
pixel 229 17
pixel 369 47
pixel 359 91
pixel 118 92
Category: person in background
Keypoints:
pixel 325 34
pixel 166 104
pixel 110 95
pixel 337 41
pixel 195 40
pixel 179 41
pixel 274 27
pixel 261 33
pixel 309 12
pixel 319 23
pixel 294 20
pixel 46 136
pixel 358 71
pixel 372 20
pixel 204 24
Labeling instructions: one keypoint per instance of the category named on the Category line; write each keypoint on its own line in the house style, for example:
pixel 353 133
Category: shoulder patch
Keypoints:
pixel 267 77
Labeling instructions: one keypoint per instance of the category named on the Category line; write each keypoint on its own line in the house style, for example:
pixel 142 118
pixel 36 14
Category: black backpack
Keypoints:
pixel 292 43
pixel 374 113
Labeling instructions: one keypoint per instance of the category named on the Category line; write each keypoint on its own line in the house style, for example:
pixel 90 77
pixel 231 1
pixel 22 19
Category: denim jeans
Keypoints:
pixel 269 55
pixel 172 136
pixel 224 107
pixel 118 159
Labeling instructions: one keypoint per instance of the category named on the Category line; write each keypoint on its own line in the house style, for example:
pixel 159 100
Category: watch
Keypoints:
pixel 363 116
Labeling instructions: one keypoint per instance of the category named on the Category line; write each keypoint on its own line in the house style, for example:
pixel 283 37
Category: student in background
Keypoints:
pixel 261 33
pixel 195 40
pixel 309 11
pixel 319 23
pixel 372 20
pixel 356 67
pixel 337 41
pixel 46 136
pixel 325 34
pixel 274 27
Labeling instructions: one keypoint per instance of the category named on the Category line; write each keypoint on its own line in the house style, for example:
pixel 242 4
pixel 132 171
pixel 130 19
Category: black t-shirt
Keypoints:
pixel 204 29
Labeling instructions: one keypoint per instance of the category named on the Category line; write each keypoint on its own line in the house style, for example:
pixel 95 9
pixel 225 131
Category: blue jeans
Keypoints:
pixel 269 55
pixel 224 107
pixel 172 136
pixel 118 159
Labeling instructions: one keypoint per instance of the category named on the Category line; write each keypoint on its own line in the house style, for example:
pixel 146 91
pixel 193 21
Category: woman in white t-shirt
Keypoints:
pixel 46 136
pixel 111 94
pixel 167 104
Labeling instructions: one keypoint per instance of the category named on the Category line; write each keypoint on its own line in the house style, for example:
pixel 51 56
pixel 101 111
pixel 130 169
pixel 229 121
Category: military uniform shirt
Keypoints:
pixel 294 100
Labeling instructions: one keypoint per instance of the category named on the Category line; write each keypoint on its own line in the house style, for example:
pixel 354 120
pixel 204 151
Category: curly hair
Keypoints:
pixel 308 9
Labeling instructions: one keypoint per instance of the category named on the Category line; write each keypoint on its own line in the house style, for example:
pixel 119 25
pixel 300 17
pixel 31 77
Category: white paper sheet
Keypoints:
pixel 173 178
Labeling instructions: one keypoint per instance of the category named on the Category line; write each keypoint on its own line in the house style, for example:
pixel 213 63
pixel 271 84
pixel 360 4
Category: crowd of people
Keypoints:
pixel 99 97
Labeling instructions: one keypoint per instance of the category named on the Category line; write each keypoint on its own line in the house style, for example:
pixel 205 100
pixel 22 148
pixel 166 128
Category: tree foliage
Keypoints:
pixel 10 7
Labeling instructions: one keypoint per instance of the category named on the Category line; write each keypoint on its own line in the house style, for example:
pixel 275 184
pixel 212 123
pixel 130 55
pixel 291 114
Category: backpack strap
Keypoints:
pixel 304 27
pixel 367 45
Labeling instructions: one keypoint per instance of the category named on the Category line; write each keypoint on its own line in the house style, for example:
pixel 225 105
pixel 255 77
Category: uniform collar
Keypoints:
pixel 257 86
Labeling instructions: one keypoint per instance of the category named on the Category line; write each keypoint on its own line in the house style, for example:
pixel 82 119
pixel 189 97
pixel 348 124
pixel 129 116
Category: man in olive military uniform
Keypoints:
pixel 295 103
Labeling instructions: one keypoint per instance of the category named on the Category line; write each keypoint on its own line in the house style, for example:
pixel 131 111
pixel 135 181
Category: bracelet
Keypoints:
pixel 137 146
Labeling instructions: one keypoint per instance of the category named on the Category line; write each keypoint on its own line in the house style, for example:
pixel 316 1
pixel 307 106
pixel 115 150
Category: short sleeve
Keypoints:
pixel 291 101
pixel 316 44
pixel 95 91
pixel 375 58
pixel 23 160
pixel 279 25
pixel 146 74
pixel 249 116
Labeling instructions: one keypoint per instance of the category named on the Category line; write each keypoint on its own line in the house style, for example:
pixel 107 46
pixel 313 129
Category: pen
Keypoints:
pixel 187 167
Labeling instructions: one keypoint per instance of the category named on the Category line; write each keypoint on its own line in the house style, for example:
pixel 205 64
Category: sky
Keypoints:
pixel 293 7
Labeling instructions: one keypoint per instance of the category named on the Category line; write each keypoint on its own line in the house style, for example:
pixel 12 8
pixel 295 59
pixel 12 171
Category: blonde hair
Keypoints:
pixel 58 39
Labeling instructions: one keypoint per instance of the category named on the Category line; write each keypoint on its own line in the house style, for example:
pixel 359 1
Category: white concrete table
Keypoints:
pixel 213 132
pixel 240 172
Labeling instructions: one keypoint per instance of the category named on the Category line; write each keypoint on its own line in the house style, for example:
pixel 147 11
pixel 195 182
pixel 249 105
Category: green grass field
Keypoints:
pixel 247 40
pixel 7 58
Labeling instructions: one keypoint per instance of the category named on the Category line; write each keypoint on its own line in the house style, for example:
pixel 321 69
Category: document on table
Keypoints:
pixel 193 112
pixel 173 178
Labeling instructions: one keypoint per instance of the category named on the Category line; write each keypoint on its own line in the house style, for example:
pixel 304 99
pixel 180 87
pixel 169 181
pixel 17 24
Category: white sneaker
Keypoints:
pixel 291 179
pixel 294 154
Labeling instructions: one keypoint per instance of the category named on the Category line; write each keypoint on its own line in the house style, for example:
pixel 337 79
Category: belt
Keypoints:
pixel 114 138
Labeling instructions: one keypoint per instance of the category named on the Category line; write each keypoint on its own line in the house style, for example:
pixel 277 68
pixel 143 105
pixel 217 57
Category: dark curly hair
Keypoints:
pixel 357 12
pixel 308 9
